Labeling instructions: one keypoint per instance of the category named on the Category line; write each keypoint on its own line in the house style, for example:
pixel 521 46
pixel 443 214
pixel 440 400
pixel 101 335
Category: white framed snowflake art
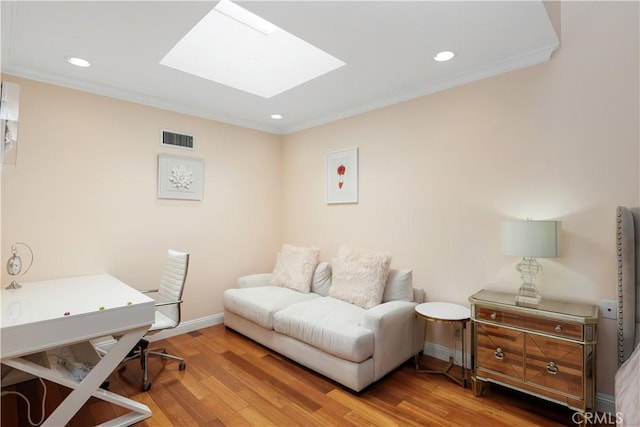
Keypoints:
pixel 180 177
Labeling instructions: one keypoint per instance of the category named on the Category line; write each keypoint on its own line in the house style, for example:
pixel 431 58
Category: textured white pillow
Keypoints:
pixel 399 286
pixel 294 267
pixel 359 276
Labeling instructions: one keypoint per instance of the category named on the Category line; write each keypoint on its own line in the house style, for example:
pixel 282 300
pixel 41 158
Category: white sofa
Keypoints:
pixel 347 343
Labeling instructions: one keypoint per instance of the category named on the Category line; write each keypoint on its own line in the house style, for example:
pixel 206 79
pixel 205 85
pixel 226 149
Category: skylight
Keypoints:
pixel 237 48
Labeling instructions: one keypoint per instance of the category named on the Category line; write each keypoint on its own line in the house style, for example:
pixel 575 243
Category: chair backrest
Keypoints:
pixel 172 283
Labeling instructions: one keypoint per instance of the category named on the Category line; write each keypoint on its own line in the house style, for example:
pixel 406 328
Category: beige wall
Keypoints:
pixel 438 174
pixel 83 195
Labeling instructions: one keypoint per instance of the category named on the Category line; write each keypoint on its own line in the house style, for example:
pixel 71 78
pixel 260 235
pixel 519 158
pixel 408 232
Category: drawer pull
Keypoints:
pixel 499 354
pixel 558 328
pixel 552 368
pixel 493 316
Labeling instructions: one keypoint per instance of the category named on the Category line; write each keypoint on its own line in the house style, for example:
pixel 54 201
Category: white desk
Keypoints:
pixel 51 314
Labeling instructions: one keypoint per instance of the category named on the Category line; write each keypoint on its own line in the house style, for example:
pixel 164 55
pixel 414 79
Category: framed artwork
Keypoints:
pixel 180 177
pixel 342 176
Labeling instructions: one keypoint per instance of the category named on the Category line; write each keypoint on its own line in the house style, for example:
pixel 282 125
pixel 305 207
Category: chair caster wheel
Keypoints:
pixel 182 366
pixel 146 387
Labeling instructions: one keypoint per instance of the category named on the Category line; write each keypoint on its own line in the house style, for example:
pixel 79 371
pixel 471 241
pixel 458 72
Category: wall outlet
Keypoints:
pixel 608 309
pixel 457 332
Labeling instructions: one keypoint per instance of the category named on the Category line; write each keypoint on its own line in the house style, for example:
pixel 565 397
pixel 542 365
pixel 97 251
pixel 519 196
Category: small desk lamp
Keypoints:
pixel 14 264
pixel 530 240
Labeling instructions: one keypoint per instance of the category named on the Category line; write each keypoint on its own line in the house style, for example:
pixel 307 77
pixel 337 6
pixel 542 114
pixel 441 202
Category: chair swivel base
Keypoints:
pixel 162 354
pixel 141 351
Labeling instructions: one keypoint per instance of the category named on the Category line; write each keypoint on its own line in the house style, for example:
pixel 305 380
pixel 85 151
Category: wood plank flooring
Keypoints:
pixel 232 381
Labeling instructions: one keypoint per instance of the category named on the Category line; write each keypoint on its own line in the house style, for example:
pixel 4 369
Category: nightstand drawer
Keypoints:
pixel 554 327
pixel 555 364
pixel 548 326
pixel 500 350
pixel 499 316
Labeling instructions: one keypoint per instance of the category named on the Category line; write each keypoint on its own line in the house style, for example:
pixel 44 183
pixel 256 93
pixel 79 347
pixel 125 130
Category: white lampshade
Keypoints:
pixel 536 239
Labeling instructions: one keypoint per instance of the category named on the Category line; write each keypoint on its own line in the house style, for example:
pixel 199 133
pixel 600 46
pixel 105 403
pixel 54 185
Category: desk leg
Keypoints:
pixel 89 386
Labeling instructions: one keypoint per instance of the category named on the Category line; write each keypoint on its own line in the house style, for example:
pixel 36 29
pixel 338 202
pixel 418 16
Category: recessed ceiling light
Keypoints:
pixel 444 56
pixel 276 116
pixel 78 62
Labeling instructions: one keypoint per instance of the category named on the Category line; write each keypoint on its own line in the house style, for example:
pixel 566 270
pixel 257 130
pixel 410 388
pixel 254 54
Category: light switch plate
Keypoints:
pixel 608 309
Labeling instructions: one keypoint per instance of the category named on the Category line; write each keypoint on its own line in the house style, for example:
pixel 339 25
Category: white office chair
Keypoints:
pixel 169 298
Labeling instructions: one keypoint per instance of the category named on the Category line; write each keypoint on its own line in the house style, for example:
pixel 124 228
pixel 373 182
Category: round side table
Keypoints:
pixel 451 314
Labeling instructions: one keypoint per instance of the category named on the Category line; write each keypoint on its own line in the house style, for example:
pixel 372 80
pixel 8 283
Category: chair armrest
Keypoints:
pixel 254 280
pixel 393 324
pixel 149 291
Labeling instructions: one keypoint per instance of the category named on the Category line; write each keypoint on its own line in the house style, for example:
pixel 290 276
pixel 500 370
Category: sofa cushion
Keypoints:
pixel 321 281
pixel 294 267
pixel 259 304
pixel 359 276
pixel 329 324
pixel 399 286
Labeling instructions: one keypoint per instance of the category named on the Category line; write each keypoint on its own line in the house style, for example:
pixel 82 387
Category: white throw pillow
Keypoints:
pixel 294 267
pixel 321 281
pixel 399 286
pixel 359 276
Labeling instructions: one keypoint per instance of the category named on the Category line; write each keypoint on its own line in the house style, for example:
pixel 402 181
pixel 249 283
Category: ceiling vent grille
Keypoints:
pixel 174 139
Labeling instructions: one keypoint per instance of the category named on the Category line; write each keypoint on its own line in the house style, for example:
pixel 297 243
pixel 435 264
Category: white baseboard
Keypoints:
pixel 188 326
pixel 442 352
pixel 604 402
pixel 103 344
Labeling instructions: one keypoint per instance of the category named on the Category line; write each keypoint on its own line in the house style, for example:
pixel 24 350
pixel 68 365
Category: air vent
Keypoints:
pixel 174 139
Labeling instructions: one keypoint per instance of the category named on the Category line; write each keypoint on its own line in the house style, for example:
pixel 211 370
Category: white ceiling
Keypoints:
pixel 388 47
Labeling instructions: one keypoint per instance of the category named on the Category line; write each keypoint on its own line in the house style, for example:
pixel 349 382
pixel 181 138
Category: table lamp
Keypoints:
pixel 530 240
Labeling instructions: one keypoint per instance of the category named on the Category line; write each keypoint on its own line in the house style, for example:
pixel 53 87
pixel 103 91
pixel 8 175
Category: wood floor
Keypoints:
pixel 232 381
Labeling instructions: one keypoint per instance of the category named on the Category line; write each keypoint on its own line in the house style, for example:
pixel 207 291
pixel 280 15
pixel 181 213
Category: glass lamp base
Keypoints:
pixel 528 295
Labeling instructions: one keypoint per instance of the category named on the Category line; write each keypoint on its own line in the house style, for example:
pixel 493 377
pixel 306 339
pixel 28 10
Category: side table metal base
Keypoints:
pixel 450 314
pixel 446 371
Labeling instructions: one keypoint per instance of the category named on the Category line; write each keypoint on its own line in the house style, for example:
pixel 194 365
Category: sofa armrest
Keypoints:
pixel 254 280
pixel 393 324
